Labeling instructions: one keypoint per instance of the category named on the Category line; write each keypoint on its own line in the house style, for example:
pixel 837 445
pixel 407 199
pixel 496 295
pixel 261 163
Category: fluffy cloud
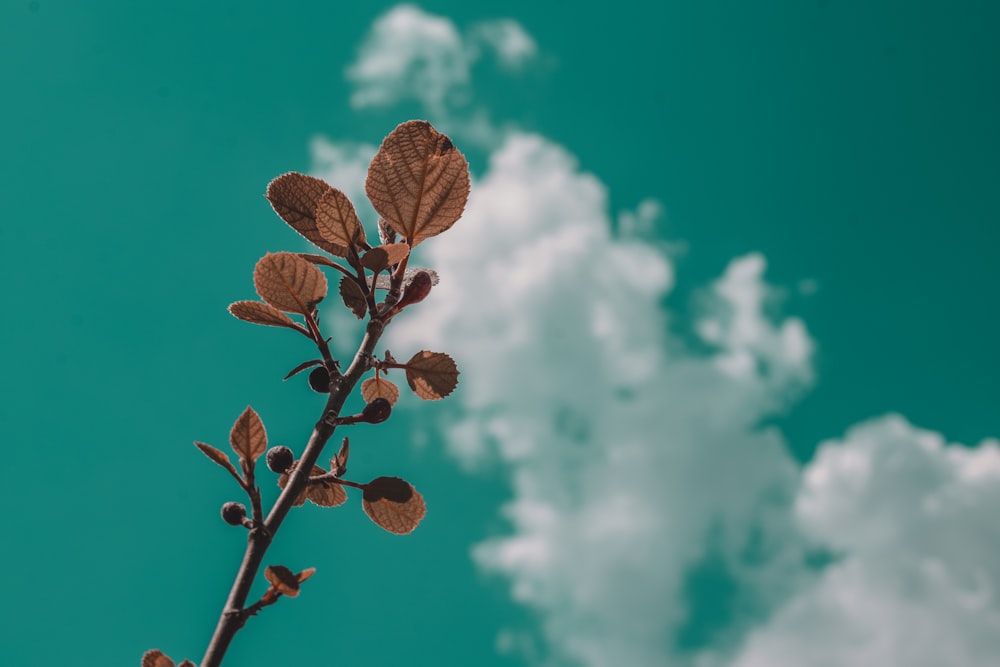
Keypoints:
pixel 914 522
pixel 626 453
pixel 635 456
pixel 410 54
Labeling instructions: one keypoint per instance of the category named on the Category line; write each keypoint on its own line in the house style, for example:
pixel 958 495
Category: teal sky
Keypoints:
pixel 852 145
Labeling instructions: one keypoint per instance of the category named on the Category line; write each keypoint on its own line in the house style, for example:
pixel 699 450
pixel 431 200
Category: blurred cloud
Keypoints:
pixel 634 456
pixel 914 521
pixel 410 54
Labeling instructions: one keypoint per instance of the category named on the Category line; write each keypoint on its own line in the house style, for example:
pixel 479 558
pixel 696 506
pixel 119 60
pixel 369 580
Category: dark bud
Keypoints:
pixel 319 380
pixel 417 290
pixel 377 411
pixel 280 459
pixel 234 513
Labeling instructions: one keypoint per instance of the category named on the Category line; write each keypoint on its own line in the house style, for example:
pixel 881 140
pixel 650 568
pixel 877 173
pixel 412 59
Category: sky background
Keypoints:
pixel 724 302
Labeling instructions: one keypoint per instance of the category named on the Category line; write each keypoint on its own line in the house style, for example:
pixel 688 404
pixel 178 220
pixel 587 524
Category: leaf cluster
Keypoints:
pixel 418 183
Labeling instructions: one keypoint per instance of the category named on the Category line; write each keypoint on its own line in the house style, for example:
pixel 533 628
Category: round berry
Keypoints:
pixel 319 380
pixel 280 459
pixel 377 411
pixel 234 513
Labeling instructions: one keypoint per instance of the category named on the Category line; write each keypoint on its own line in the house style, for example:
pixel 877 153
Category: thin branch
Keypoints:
pixel 232 617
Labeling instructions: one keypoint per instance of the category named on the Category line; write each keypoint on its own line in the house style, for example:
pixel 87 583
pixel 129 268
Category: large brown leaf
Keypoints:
pixel 289 282
pixel 336 219
pixel 418 181
pixel 294 198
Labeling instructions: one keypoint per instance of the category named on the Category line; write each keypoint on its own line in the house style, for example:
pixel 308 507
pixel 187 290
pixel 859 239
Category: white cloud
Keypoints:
pixel 917 583
pixel 514 47
pixel 633 458
pixel 410 54
pixel 624 456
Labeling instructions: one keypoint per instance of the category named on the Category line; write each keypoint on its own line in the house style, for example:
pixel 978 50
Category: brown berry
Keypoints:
pixel 234 513
pixel 377 411
pixel 280 459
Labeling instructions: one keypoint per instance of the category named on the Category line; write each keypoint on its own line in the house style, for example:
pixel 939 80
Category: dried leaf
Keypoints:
pixel 383 281
pixel 394 504
pixel 289 283
pixel 386 234
pixel 261 313
pixel 418 181
pixel 336 220
pixel 284 580
pixel 431 375
pixel 379 387
pixel 338 464
pixel 217 456
pixel 156 658
pixel 301 367
pixel 381 257
pixel 320 260
pixel 248 437
pixel 353 297
pixel 324 494
pixel 294 197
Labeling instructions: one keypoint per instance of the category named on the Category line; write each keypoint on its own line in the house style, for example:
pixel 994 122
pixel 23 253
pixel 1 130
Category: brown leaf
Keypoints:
pixel 321 260
pixel 324 494
pixel 381 257
pixel 248 437
pixel 284 580
pixel 379 387
pixel 336 220
pixel 353 297
pixel 289 283
pixel 301 367
pixel 394 504
pixel 386 234
pixel 261 313
pixel 418 181
pixel 294 197
pixel 431 375
pixel 187 663
pixel 156 658
pixel 216 455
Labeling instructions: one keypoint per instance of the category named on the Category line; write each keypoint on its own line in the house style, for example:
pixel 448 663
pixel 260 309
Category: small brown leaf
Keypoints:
pixel 324 494
pixel 248 437
pixel 418 181
pixel 217 456
pixel 379 387
pixel 261 313
pixel 156 658
pixel 381 257
pixel 301 367
pixel 336 220
pixel 294 197
pixel 431 375
pixel 394 504
pixel 289 283
pixel 353 297
pixel 284 580
pixel 386 234
pixel 319 260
